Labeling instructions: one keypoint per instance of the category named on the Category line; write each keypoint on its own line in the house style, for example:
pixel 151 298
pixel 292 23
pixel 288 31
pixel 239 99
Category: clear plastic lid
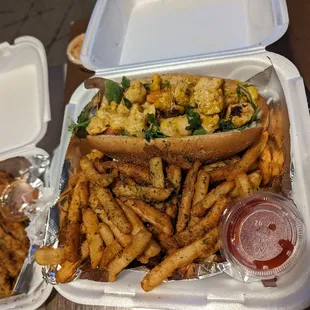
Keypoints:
pixel 262 235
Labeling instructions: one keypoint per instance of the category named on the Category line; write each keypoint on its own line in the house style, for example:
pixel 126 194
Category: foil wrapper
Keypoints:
pixel 31 170
pixel 269 86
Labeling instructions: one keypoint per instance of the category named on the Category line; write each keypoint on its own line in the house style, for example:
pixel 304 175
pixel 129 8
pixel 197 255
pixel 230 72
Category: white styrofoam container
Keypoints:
pixel 133 38
pixel 25 111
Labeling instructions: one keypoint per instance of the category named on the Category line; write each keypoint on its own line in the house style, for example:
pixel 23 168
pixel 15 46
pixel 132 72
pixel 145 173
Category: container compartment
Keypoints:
pixel 222 292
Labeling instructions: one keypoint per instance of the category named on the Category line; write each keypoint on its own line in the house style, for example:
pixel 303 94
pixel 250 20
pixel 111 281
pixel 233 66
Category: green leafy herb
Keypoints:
pixel 125 82
pixel 194 120
pixel 255 115
pixel 199 132
pixel 127 103
pixel 153 131
pixel 147 86
pixel 166 85
pixel 227 125
pixel 126 133
pixel 113 92
pixel 79 127
pixel 243 91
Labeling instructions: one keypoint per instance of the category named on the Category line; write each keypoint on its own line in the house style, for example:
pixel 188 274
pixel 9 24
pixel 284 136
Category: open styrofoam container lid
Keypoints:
pixel 24 93
pixel 124 33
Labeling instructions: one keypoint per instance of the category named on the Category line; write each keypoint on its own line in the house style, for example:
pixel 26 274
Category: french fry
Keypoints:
pixel 139 243
pixel 187 197
pixel 174 176
pixel 179 258
pixel 123 239
pixel 152 248
pixel 201 186
pixel 92 175
pixel 83 229
pixel 265 164
pixel 72 242
pixel 113 210
pixel 207 255
pixel 95 154
pixel 138 173
pixel 207 223
pixel 84 250
pixel 222 189
pixel 93 237
pixel 67 271
pixel 156 172
pixel 74 212
pixel 106 233
pixel 172 207
pixel 244 164
pixel 84 193
pixel 193 221
pixel 177 160
pixel 243 184
pixel 150 215
pixel 109 253
pixel 141 192
pixel 255 179
pixel 277 156
pixel 49 256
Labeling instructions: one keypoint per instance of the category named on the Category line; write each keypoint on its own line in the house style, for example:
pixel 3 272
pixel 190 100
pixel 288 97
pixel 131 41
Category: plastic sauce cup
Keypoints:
pixel 262 235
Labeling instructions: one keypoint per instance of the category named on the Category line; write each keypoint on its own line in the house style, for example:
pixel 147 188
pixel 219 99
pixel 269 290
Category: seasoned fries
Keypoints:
pixel 141 192
pixel 139 243
pixel 50 256
pixel 187 197
pixel 178 259
pixel 223 189
pixel 93 237
pixel 166 215
pixel 113 210
pixel 150 215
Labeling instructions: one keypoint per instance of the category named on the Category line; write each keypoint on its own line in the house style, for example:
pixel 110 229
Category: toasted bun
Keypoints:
pixel 183 150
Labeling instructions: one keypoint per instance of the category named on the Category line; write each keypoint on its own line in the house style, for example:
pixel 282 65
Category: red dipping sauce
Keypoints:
pixel 262 235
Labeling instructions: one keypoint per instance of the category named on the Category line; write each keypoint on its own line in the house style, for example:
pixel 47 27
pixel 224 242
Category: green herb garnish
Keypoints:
pixel 127 103
pixel 166 85
pixel 147 85
pixel 199 132
pixel 125 82
pixel 113 92
pixel 227 125
pixel 243 91
pixel 126 133
pixel 153 131
pixel 193 118
pixel 79 127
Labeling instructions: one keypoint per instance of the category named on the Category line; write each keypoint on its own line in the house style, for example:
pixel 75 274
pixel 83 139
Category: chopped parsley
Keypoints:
pixel 194 120
pixel 153 131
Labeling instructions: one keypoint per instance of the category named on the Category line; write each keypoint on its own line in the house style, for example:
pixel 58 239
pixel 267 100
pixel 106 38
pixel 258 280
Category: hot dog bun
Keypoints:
pixel 207 148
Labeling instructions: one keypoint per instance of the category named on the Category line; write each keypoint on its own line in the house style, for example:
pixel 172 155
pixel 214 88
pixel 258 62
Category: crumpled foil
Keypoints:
pixel 31 169
pixel 269 86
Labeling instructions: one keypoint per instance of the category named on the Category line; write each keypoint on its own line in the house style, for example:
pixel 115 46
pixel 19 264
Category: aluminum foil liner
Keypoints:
pixel 31 169
pixel 270 88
